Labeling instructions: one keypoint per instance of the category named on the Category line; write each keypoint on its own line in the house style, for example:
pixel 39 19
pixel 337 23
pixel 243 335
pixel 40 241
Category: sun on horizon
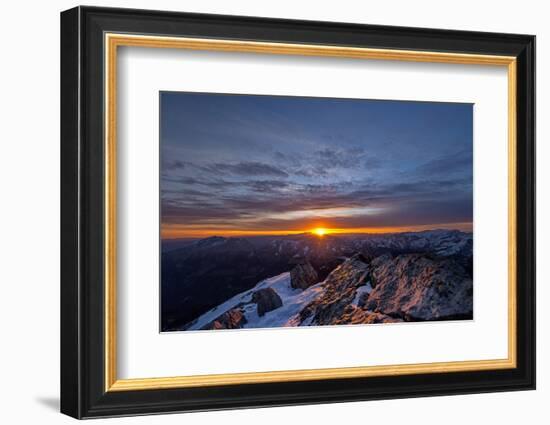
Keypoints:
pixel 319 231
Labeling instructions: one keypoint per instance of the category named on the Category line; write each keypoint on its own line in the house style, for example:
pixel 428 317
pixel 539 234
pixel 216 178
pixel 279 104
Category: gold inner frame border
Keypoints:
pixel 111 43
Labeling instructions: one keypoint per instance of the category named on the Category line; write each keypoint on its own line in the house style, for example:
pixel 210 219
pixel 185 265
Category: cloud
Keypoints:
pixel 331 161
pixel 267 186
pixel 456 162
pixel 252 214
pixel 289 159
pixel 166 178
pixel 342 158
pixel 256 203
pixel 246 169
pixel 173 165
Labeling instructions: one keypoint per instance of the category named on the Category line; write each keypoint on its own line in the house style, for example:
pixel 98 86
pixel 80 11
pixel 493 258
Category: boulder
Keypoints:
pixel 303 275
pixel 267 300
pixel 416 287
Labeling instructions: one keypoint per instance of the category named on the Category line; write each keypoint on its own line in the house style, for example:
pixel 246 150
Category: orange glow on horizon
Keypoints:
pixel 180 232
pixel 320 231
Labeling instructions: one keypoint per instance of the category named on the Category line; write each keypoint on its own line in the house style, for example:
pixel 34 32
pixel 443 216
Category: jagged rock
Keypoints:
pixel 354 315
pixel 232 319
pixel 416 287
pixel 361 290
pixel 351 273
pixel 378 261
pixel 340 290
pixel 303 275
pixel 267 300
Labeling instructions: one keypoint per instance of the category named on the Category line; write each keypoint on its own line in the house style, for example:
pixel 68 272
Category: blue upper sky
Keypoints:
pixel 235 164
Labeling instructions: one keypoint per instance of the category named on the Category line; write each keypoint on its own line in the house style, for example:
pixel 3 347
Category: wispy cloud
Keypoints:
pixel 246 169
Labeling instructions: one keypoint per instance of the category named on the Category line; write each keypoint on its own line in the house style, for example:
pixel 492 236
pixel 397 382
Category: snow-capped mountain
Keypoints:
pixel 438 242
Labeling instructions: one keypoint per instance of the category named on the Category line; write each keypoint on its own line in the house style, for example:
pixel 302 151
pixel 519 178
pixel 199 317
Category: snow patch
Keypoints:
pixel 294 300
pixel 365 289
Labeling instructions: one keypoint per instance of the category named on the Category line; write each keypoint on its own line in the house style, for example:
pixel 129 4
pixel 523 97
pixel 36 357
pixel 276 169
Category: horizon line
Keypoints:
pixel 200 234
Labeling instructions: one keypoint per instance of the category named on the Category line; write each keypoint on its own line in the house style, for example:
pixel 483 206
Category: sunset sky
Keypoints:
pixel 247 165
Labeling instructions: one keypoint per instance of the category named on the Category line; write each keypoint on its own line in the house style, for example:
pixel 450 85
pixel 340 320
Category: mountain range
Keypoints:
pixel 306 280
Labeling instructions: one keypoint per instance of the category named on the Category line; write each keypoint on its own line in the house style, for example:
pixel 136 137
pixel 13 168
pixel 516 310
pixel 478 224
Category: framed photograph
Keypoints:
pixel 261 212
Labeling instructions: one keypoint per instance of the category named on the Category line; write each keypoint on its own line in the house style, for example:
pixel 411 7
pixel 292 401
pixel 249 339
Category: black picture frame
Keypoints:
pixel 83 392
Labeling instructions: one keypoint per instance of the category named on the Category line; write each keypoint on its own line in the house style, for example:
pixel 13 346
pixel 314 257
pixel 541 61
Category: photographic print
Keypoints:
pixel 286 211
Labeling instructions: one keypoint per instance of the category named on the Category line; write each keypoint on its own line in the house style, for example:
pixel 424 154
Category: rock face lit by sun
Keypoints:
pixel 319 231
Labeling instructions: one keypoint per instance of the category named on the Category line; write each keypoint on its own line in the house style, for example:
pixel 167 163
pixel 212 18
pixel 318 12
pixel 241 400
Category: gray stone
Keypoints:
pixel 417 287
pixel 303 275
pixel 267 300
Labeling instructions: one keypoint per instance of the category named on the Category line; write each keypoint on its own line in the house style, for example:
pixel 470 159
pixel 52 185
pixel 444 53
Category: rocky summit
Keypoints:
pixel 361 290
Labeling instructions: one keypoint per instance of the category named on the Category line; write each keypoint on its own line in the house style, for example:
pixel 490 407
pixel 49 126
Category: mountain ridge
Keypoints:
pixel 386 289
pixel 207 272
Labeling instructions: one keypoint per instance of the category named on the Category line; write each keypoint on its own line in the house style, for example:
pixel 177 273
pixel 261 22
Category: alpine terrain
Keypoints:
pixel 309 280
